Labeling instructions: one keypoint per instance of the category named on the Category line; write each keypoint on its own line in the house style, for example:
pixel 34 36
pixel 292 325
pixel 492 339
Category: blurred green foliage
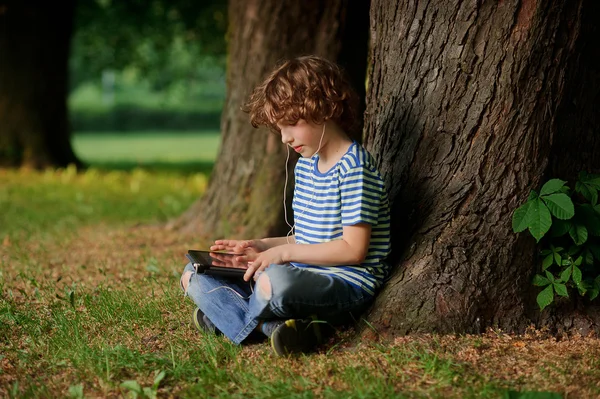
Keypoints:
pixel 148 35
pixel 141 65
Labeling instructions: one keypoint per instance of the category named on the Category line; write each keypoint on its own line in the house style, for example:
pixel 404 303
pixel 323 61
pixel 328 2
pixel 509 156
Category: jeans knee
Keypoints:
pixel 263 287
pixel 282 280
pixel 185 280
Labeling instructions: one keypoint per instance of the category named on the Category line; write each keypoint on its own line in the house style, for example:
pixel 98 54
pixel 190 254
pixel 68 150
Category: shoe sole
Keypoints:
pixel 197 323
pixel 292 337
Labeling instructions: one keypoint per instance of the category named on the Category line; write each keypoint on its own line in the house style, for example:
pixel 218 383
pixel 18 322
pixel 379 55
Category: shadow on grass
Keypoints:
pixel 183 168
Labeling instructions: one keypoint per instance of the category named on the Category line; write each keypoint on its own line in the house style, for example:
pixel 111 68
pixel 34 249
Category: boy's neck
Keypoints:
pixel 335 144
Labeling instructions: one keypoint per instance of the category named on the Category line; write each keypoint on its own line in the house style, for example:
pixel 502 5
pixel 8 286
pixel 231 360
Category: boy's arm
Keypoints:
pixel 271 242
pixel 350 250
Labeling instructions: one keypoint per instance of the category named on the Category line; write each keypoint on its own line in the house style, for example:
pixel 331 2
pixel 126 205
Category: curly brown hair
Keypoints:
pixel 309 88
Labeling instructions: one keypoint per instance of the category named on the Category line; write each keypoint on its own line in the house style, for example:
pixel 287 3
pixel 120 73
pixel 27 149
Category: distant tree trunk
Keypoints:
pixel 245 194
pixel 463 114
pixel 34 51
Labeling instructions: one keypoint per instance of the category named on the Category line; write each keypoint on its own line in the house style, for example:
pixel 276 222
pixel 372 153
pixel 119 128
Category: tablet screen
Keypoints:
pixel 221 259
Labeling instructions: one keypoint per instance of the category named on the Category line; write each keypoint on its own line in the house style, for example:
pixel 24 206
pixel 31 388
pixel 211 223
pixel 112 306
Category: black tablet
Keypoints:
pixel 217 263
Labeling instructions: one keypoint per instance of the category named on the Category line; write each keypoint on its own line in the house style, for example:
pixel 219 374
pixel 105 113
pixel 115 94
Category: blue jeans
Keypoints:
pixel 236 309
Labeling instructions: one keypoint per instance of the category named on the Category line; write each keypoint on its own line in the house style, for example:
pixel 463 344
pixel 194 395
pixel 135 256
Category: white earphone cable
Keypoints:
pixel 292 227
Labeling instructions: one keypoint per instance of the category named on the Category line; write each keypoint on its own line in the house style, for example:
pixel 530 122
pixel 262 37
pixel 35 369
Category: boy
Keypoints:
pixel 333 264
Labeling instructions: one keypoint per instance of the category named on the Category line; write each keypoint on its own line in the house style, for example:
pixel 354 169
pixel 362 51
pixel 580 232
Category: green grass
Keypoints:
pixel 89 300
pixel 147 148
pixel 59 202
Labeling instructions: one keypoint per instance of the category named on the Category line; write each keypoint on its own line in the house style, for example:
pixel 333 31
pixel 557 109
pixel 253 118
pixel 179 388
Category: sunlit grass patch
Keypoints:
pixel 56 202
pixel 143 147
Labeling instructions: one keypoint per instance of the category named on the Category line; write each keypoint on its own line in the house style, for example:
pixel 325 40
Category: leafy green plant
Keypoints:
pixel 137 390
pixel 566 224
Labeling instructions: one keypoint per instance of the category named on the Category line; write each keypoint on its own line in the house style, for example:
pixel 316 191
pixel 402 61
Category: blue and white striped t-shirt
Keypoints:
pixel 349 193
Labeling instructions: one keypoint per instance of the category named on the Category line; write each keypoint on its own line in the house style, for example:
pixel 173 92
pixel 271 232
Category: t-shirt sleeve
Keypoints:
pixel 362 191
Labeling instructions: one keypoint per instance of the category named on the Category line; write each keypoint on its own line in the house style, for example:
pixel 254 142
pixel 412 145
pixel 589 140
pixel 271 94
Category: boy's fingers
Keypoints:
pixel 251 269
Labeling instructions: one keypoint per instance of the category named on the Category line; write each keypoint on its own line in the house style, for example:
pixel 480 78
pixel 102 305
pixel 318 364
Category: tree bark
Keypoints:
pixel 466 105
pixel 34 50
pixel 245 195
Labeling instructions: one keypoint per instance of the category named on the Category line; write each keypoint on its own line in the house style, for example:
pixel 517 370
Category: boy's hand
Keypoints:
pixel 220 259
pixel 249 248
pixel 262 261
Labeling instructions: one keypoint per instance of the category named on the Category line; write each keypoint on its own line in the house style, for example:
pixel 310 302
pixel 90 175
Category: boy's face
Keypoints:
pixel 304 137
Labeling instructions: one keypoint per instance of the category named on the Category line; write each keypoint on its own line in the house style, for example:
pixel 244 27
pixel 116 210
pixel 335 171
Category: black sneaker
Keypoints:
pixel 203 323
pixel 296 336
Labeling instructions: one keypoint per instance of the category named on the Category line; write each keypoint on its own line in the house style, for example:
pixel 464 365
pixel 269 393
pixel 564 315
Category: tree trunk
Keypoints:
pixel 462 113
pixel 245 194
pixel 34 51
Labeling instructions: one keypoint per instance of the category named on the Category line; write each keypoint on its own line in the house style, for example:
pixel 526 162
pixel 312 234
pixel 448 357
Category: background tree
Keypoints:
pixel 244 197
pixel 467 112
pixel 34 43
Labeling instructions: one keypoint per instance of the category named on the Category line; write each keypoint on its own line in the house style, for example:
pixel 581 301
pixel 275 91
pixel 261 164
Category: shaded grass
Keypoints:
pixel 93 300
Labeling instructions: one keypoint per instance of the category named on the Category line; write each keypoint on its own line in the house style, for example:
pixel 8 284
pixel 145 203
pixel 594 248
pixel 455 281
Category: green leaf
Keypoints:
pixel 552 186
pixel 587 216
pixel 565 190
pixel 539 219
pixel 578 261
pixel 540 281
pixel 588 187
pixel 584 190
pixel 579 234
pixel 561 289
pixel 560 205
pixel 560 227
pixel 589 258
pixel 132 385
pixel 520 220
pixel 591 179
pixel 158 378
pixel 532 195
pixel 596 288
pixel 149 393
pixel 565 275
pixel 595 250
pixel 557 258
pixel 577 275
pixel 547 262
pixel 550 276
pixel 545 297
pixel 76 391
